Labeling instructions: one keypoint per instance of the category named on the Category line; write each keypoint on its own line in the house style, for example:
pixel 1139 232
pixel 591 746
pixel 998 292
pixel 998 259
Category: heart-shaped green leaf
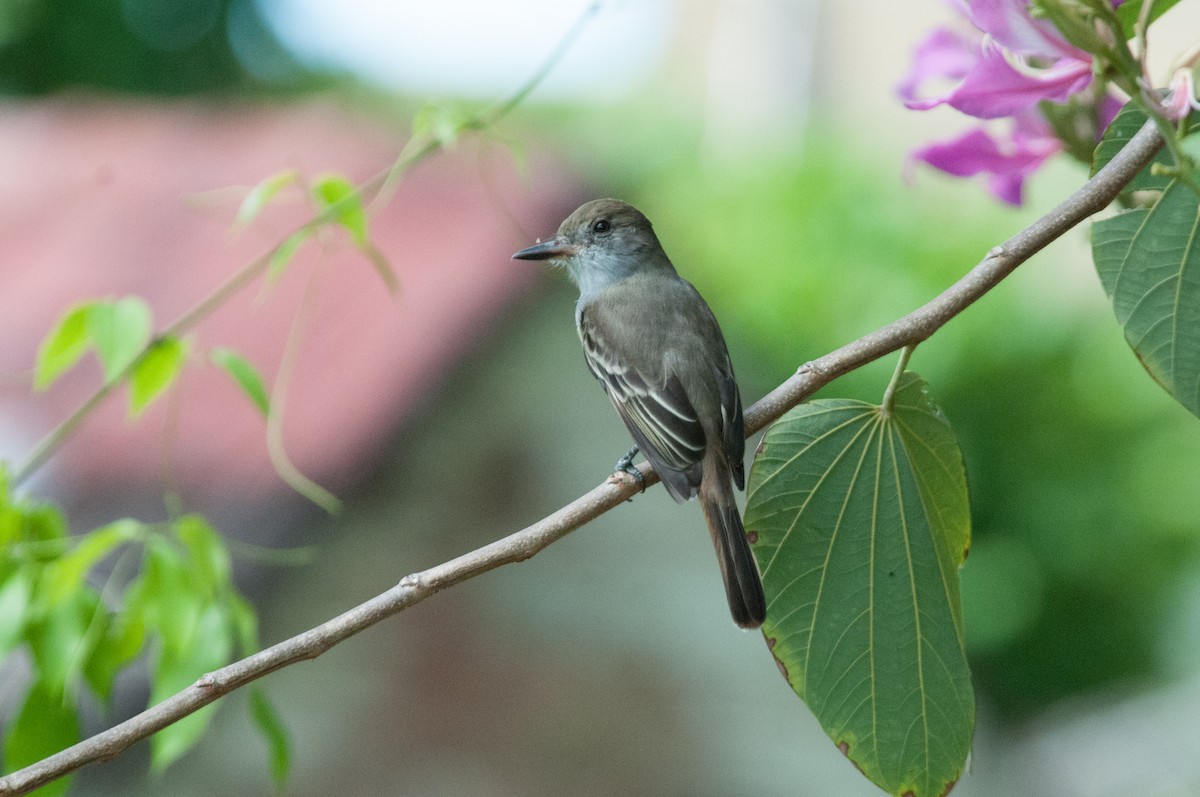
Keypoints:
pixel 860 521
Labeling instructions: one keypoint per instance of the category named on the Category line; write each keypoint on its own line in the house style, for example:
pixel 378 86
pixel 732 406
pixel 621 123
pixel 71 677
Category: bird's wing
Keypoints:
pixel 733 424
pixel 654 407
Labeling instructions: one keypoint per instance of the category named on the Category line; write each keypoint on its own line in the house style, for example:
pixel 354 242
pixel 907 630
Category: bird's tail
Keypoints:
pixel 743 585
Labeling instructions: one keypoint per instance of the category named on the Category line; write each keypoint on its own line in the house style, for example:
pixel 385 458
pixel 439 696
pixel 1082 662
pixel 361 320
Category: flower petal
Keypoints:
pixel 995 88
pixel 942 55
pixel 1006 164
pixel 1110 106
pixel 1010 23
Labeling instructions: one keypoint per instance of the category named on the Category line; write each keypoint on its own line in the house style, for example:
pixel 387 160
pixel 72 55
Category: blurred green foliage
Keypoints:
pixel 162 47
pixel 181 611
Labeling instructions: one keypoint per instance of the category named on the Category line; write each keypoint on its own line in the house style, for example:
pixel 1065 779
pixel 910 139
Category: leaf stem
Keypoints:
pixel 889 395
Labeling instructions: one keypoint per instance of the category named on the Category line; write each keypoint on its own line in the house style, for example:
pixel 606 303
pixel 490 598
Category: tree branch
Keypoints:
pixel 910 330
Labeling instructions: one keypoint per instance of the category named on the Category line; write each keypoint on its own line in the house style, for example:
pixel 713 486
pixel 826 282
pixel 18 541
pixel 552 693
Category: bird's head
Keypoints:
pixel 601 242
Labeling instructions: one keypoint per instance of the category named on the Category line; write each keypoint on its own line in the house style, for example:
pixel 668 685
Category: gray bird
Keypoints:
pixel 655 346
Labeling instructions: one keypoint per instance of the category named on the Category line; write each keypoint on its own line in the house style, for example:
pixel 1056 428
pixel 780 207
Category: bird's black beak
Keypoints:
pixel 546 250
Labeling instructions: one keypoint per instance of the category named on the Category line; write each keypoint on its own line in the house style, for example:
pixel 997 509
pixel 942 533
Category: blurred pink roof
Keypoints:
pixel 100 199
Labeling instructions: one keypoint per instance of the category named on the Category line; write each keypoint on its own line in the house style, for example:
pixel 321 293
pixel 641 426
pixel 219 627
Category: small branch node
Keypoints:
pixel 810 367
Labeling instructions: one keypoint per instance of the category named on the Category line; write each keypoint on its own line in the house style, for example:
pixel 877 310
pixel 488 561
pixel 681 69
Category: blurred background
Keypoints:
pixel 764 140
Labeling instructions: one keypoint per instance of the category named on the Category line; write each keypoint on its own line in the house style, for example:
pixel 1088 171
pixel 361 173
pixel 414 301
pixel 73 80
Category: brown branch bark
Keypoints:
pixel 913 328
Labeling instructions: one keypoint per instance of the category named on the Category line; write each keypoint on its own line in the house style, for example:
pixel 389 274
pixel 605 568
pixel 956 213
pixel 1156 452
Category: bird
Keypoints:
pixel 655 346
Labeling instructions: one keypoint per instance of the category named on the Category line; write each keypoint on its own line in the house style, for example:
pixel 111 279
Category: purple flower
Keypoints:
pixel 1002 68
pixel 1006 161
pixel 993 70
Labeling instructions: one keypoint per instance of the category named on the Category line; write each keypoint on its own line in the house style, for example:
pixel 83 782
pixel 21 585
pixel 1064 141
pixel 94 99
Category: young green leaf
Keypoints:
pixel 860 522
pixel 207 648
pixel 58 636
pixel 122 640
pixel 283 254
pixel 440 121
pixel 63 347
pixel 274 733
pixel 332 191
pixel 262 194
pixel 207 554
pixel 246 376
pixel 166 597
pixel 16 592
pixel 119 330
pixel 45 725
pixel 155 372
pixel 65 575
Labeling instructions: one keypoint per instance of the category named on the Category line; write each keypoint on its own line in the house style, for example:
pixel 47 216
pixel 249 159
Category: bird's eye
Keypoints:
pixel 601 226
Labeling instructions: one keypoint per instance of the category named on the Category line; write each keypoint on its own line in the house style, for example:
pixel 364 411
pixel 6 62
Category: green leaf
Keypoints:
pixel 155 372
pixel 274 733
pixel 335 191
pixel 246 376
pixel 332 191
pixel 15 595
pixel 57 637
pixel 860 523
pixel 163 596
pixel 207 648
pixel 195 635
pixel 207 553
pixel 245 624
pixel 1128 13
pixel 1149 262
pixel 119 331
pixel 63 347
pixel 1126 124
pixel 45 725
pixel 440 121
pixel 283 254
pixel 122 640
pixel 262 194
pixel 64 576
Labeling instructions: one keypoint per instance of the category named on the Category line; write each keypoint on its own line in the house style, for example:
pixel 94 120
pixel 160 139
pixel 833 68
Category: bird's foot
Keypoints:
pixel 625 467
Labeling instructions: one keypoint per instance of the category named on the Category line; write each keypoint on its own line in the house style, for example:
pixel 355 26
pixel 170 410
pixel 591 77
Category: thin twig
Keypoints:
pixel 910 330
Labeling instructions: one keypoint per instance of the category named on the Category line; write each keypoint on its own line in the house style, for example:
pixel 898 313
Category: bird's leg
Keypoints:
pixel 625 465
